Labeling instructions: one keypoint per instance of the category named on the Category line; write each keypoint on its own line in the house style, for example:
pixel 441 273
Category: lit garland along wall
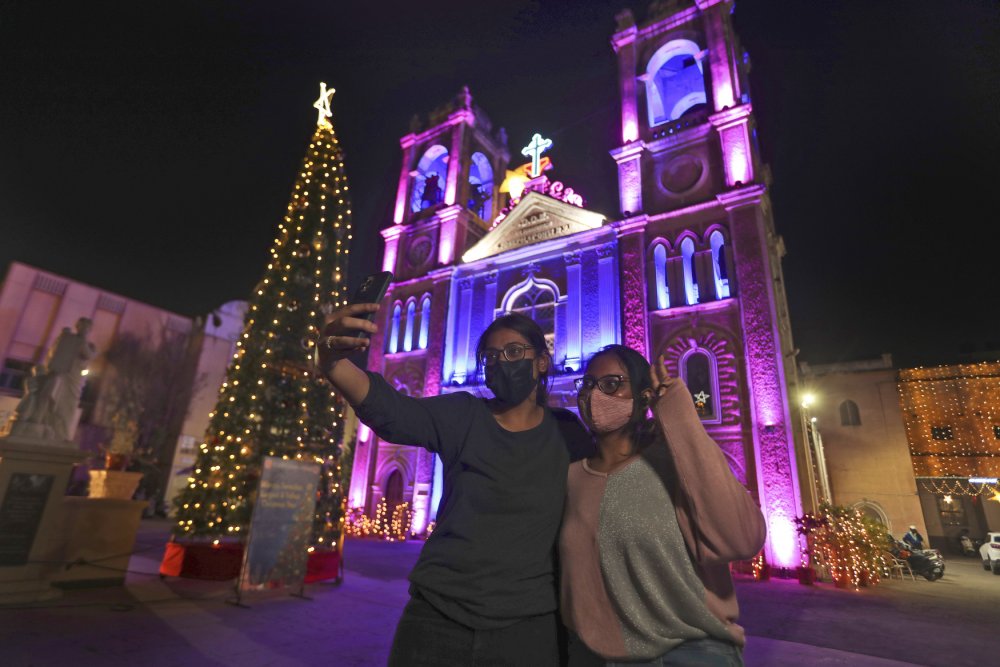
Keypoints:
pixel 952 419
pixel 272 403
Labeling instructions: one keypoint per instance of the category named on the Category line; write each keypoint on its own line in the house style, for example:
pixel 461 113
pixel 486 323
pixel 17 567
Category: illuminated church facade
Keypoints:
pixel 688 268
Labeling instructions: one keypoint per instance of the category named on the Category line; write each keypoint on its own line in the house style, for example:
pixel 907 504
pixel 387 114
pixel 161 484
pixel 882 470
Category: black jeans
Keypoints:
pixel 425 636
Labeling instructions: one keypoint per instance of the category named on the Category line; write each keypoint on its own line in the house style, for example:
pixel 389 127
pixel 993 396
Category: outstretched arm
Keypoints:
pixel 718 517
pixel 395 417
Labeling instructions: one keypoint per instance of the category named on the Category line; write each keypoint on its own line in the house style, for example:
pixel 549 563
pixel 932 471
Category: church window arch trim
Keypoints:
pixel 675 81
pixel 850 415
pixel 429 179
pixel 719 244
pixel 411 316
pixel 712 413
pixel 659 251
pixel 545 292
pixel 425 322
pixel 392 346
pixel 688 247
pixel 481 185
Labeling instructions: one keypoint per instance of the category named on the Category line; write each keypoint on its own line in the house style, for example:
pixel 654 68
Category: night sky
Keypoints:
pixel 149 148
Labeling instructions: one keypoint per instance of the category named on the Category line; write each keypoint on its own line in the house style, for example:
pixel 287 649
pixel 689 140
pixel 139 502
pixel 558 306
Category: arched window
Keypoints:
pixel 675 81
pixel 539 303
pixel 480 186
pixel 660 274
pixel 393 345
pixel 849 414
pixel 690 281
pixel 429 179
pixel 700 374
pixel 393 492
pixel 719 264
pixel 408 332
pixel 425 323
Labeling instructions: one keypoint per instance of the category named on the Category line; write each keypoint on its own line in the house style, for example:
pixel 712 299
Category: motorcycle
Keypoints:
pixel 927 563
pixel 969 546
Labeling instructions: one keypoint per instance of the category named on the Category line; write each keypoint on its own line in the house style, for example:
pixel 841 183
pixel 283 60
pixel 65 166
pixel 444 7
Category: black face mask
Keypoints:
pixel 511 381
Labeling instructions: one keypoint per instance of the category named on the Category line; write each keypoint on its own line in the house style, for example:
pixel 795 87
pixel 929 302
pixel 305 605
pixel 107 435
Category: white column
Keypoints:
pixel 462 364
pixel 608 295
pixel 574 312
pixel 490 304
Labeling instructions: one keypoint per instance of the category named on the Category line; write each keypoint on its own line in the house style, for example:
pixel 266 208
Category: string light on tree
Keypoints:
pixel 272 402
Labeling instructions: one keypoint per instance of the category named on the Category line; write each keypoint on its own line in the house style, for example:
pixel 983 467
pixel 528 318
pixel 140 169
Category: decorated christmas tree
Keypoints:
pixel 273 402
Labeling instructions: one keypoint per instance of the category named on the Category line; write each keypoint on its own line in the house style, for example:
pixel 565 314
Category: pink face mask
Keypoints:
pixel 608 413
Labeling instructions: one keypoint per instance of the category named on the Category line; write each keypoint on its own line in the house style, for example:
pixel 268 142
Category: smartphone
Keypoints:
pixel 371 290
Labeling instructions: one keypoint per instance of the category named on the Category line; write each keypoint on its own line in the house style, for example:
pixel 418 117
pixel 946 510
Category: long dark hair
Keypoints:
pixel 532 333
pixel 637 368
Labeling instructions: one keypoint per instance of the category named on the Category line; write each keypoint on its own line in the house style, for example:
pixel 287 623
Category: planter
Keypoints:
pixel 202 561
pixel 807 575
pixel 323 566
pixel 223 562
pixel 114 484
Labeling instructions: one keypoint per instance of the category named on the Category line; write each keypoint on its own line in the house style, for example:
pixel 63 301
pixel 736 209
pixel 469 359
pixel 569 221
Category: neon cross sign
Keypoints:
pixel 535 150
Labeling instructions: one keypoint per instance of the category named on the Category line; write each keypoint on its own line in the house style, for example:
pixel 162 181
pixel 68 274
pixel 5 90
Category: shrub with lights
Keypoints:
pixel 273 403
pixel 848 545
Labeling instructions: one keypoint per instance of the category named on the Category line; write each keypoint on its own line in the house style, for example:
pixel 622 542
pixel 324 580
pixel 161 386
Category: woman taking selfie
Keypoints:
pixel 483 590
pixel 652 522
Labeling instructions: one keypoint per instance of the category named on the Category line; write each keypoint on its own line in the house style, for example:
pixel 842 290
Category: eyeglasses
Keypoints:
pixel 510 351
pixel 608 384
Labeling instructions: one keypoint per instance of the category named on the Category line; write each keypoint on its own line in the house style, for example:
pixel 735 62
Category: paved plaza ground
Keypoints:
pixel 151 622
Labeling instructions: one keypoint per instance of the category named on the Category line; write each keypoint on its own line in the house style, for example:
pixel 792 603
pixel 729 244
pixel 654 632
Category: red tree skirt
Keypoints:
pixel 223 561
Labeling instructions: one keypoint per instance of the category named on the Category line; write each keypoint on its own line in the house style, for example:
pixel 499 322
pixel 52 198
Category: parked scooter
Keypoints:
pixel 969 548
pixel 928 563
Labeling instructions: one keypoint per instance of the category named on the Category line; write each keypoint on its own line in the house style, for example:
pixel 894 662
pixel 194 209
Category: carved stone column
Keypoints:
pixel 632 258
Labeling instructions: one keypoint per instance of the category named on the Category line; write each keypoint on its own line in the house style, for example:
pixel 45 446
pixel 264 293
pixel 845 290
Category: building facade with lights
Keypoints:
pixel 909 446
pixel 690 267
pixel 952 419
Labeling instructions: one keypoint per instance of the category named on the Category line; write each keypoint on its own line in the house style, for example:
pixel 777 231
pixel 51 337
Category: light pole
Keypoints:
pixel 807 399
pixel 814 450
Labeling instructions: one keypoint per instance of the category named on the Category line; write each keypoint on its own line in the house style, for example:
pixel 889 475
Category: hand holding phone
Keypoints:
pixel 371 290
pixel 347 329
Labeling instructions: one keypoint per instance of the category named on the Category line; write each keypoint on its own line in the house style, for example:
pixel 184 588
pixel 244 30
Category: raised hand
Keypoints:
pixel 659 379
pixel 340 334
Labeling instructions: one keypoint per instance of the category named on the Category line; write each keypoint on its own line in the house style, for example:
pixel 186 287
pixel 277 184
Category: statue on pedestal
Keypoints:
pixel 52 391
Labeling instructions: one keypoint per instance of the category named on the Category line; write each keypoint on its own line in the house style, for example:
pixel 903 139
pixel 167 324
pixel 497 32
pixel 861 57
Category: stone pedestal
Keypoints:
pixel 95 538
pixel 34 473
pixel 114 484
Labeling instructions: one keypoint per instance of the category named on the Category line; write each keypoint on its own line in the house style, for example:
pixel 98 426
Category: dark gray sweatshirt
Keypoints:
pixel 490 560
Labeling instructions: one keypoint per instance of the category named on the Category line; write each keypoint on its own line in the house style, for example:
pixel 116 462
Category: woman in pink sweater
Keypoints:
pixel 650 526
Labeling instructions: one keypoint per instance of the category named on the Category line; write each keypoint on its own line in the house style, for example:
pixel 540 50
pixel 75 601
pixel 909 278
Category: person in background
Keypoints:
pixel 483 590
pixel 913 539
pixel 652 522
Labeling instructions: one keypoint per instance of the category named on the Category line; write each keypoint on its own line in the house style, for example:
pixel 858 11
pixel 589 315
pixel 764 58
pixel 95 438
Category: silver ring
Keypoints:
pixel 328 342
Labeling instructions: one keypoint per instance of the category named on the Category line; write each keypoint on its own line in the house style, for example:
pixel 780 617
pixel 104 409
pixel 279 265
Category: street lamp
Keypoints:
pixel 814 447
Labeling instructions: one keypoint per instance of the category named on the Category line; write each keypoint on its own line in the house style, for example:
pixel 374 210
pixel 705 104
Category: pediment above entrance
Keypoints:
pixel 536 218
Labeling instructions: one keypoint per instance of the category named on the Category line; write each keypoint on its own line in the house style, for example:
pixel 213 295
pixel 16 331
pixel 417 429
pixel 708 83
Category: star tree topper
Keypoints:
pixel 322 105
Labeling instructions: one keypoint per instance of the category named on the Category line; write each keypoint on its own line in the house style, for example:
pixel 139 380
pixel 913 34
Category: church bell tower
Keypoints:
pixel 698 231
pixel 448 194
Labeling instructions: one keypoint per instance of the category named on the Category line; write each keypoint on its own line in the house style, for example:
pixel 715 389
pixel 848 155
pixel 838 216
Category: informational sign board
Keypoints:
pixel 281 525
pixel 20 515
